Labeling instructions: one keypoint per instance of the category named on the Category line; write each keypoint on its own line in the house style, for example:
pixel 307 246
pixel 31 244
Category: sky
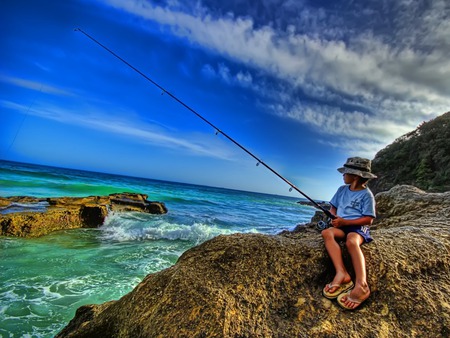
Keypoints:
pixel 301 84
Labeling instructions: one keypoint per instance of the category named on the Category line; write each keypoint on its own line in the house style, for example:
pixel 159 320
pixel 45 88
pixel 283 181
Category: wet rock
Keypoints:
pixel 253 285
pixel 24 216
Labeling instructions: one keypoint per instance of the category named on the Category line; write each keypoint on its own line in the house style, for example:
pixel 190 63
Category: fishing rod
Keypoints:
pixel 218 131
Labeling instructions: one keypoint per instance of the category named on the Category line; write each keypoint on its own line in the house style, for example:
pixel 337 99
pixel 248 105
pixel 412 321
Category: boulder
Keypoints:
pixel 254 285
pixel 24 216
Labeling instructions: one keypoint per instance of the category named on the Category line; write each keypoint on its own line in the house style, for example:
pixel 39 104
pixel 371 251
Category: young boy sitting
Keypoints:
pixel 354 208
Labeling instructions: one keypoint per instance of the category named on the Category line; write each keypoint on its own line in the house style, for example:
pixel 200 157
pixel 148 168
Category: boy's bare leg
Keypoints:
pixel 361 290
pixel 331 236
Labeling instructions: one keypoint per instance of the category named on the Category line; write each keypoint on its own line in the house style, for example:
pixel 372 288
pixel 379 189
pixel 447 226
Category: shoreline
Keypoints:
pixel 26 216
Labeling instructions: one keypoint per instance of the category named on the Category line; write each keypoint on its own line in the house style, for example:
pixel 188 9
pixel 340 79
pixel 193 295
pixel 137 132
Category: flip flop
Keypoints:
pixel 341 288
pixel 356 301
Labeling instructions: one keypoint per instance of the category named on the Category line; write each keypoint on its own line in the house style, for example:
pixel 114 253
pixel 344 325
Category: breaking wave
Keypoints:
pixel 138 227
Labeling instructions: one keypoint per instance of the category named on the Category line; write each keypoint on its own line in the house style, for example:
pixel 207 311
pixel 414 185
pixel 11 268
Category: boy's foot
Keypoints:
pixel 331 291
pixel 352 299
pixel 334 285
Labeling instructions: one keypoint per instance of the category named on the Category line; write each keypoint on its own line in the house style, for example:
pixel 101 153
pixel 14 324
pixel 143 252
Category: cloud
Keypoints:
pixel 347 130
pixel 196 144
pixel 241 78
pixel 378 70
pixel 33 85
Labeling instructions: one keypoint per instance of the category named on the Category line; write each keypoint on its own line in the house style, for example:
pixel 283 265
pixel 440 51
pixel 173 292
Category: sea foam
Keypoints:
pixel 135 227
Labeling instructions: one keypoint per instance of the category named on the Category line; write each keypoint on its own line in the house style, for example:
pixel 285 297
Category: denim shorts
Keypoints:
pixel 360 230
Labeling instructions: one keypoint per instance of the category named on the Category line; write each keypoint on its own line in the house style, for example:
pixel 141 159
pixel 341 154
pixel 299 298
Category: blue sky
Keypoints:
pixel 301 84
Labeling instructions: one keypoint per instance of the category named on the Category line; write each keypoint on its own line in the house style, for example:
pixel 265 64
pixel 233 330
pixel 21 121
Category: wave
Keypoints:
pixel 21 207
pixel 190 200
pixel 27 172
pixel 55 189
pixel 11 183
pixel 137 227
pixel 36 302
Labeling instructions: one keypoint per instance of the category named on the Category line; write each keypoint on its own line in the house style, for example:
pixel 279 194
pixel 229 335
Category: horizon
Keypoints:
pixel 300 198
pixel 303 85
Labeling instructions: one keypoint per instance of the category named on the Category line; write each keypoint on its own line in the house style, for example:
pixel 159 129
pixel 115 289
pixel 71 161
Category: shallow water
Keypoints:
pixel 44 280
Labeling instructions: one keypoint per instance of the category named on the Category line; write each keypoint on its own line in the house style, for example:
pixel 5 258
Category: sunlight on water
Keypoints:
pixel 44 280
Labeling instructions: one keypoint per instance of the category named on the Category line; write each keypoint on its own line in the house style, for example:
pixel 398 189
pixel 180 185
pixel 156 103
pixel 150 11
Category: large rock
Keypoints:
pixel 252 285
pixel 24 216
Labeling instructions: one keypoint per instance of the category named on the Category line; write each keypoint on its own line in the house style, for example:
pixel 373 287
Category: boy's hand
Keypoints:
pixel 338 222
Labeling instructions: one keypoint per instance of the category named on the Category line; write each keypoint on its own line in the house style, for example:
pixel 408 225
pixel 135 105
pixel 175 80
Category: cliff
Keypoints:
pixel 23 216
pixel 252 285
pixel 420 158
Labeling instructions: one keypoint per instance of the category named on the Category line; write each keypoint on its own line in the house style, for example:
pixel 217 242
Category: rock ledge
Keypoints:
pixel 23 216
pixel 253 285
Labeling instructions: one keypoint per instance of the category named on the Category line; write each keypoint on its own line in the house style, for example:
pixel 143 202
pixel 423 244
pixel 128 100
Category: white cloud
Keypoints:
pixel 241 78
pixel 224 73
pixel 373 78
pixel 244 78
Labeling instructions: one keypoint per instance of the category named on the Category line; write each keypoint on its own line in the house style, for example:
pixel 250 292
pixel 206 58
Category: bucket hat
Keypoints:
pixel 358 166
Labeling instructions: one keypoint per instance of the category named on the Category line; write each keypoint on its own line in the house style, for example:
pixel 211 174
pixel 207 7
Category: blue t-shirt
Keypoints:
pixel 353 204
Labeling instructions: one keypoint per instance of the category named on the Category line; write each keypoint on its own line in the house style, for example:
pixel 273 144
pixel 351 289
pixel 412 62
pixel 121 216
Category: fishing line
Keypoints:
pixel 218 131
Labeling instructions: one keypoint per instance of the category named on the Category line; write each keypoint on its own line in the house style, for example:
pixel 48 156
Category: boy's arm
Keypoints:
pixel 333 210
pixel 342 222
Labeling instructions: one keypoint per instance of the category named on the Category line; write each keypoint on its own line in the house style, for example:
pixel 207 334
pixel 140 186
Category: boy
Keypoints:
pixel 354 207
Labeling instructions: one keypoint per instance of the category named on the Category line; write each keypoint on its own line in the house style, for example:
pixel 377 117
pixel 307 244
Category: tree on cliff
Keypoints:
pixel 420 158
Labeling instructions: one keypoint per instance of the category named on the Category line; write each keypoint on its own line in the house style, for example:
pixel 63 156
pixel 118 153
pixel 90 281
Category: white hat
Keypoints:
pixel 357 166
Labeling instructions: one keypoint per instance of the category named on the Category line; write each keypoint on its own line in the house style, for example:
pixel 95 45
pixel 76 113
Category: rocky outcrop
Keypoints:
pixel 24 216
pixel 252 285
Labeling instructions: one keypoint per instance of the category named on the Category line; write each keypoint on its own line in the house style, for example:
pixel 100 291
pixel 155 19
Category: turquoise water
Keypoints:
pixel 44 280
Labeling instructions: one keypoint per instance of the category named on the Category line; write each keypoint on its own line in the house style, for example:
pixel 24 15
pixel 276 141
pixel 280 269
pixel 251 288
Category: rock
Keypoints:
pixel 253 285
pixel 405 205
pixel 24 216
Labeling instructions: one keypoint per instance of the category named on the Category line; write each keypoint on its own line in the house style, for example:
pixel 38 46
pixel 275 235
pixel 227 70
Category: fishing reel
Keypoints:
pixel 322 225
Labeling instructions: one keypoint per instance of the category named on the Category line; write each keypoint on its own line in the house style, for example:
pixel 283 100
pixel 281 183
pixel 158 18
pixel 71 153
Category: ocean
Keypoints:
pixel 44 280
